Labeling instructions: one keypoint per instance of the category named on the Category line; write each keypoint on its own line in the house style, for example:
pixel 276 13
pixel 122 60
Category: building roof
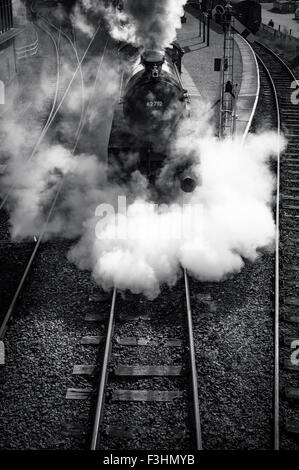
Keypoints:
pixel 10 34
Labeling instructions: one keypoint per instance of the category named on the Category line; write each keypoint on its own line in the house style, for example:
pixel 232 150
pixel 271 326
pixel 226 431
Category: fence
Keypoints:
pixel 282 33
pixel 28 50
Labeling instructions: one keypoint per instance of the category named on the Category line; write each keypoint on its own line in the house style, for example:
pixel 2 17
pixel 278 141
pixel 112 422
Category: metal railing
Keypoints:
pixel 282 32
pixel 28 50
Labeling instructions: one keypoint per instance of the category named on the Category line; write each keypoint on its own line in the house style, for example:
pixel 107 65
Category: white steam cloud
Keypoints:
pixel 226 219
pixel 32 183
pixel 140 247
pixel 147 23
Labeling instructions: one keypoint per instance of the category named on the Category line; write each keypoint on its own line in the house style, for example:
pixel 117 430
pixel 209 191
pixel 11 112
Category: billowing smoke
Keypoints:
pixel 147 23
pixel 210 232
pixel 80 21
pixel 155 22
pixel 32 183
pixel 130 242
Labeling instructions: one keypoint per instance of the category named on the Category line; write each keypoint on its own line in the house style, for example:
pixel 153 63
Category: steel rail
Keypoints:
pixel 48 122
pixel 276 442
pixel 194 377
pixel 46 223
pixel 104 372
pixel 77 58
pixel 282 63
pixel 103 379
pixel 45 129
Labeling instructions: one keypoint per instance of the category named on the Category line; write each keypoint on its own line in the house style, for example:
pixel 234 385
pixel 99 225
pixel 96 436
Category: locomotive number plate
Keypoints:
pixel 154 104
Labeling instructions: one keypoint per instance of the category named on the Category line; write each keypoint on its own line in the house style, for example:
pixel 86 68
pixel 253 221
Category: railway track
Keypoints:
pixel 144 376
pixel 17 258
pixel 32 250
pixel 280 79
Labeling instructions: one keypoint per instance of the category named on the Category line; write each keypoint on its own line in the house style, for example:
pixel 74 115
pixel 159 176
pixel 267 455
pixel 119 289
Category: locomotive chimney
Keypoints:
pixel 152 61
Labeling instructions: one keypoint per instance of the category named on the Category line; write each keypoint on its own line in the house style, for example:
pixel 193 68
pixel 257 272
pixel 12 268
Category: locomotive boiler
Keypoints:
pixel 151 103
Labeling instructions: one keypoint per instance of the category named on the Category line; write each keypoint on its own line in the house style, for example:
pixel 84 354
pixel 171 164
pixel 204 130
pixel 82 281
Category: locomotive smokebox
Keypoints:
pixel 153 98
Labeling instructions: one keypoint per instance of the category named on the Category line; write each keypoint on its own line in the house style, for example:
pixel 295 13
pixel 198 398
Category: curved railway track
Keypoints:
pixel 17 258
pixel 286 320
pixel 57 100
pixel 49 118
pixel 4 319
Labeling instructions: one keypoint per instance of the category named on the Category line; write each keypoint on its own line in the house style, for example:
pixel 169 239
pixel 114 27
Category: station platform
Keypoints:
pixel 203 83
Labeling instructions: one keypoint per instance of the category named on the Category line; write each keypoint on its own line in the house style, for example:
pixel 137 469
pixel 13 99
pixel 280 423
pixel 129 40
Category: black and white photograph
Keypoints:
pixel 149 229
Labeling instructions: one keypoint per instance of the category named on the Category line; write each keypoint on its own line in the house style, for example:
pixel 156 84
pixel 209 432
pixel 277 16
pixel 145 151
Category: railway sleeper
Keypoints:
pixel 293 301
pixel 290 198
pixel 290 180
pixel 292 393
pixel 144 341
pixel 294 189
pixel 292 172
pixel 290 207
pixel 290 283
pixel 291 318
pixel 292 426
pixel 290 163
pixel 146 395
pixel 74 429
pixel 132 432
pixel 84 369
pixel 92 340
pixel 96 317
pixel 79 393
pixel 148 371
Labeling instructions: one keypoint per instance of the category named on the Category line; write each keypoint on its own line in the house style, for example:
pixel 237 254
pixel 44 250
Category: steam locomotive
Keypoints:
pixel 152 102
